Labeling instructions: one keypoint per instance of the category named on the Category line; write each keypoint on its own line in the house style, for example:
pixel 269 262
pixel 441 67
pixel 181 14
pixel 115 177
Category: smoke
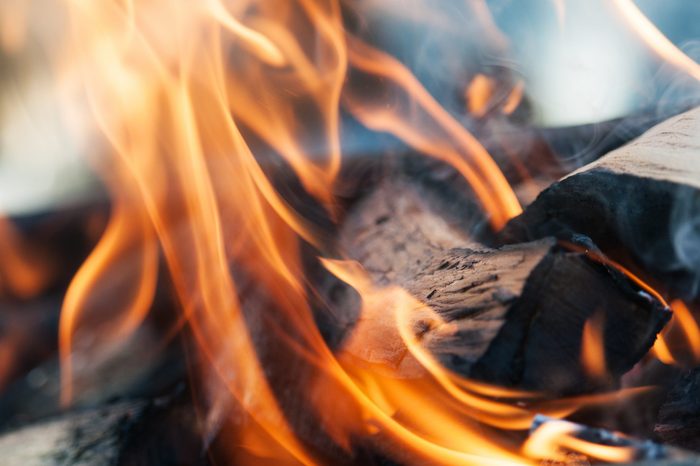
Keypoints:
pixel 685 235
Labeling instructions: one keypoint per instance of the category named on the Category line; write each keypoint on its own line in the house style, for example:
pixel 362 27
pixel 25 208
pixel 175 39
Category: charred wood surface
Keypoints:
pixel 512 316
pixel 643 198
pixel 678 421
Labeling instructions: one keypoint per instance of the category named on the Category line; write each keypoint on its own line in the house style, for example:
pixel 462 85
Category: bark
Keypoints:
pixel 642 198
pixel 512 316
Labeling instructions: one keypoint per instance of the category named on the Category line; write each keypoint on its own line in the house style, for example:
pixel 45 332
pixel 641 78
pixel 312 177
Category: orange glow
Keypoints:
pixel 593 348
pixel 24 271
pixel 479 93
pixel 126 253
pixel 482 96
pixel 660 348
pixel 655 39
pixel 13 25
pixel 689 326
pixel 514 98
pixel 662 351
pixel 670 351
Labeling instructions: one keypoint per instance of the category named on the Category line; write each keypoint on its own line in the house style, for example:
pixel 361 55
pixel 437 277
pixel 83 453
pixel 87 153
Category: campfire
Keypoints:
pixel 348 232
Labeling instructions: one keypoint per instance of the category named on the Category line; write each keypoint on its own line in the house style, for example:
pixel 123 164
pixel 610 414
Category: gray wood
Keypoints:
pixel 512 316
pixel 86 438
pixel 129 433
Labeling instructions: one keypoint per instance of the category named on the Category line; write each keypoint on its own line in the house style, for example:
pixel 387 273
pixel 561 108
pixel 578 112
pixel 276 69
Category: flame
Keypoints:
pixel 514 98
pixel 429 128
pixel 482 96
pixel 479 93
pixel 655 39
pixel 593 347
pixel 13 34
pixel 689 326
pixel 684 351
pixel 191 104
pixel 24 271
pixel 118 279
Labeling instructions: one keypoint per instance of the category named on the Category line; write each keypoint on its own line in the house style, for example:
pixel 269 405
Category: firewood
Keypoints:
pixel 678 421
pixel 85 438
pixel 643 198
pixel 126 433
pixel 512 316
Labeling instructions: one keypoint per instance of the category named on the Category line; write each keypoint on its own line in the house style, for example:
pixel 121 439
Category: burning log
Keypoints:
pixel 512 316
pixel 643 198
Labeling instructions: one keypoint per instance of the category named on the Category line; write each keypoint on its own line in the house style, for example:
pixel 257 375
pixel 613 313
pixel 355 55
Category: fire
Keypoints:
pixel 12 20
pixel 592 347
pixel 679 342
pixel 190 105
pixel 23 270
pixel 515 96
pixel 426 126
pixel 398 406
pixel 479 93
pixel 654 39
pixel 482 95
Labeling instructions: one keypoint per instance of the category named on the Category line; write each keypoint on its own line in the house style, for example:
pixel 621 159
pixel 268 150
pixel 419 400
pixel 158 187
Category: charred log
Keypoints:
pixel 643 198
pixel 678 421
pixel 512 316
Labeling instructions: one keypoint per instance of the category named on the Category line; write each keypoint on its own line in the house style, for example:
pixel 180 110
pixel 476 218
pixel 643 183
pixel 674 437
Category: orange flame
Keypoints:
pixel 13 34
pixel 514 98
pixel 482 96
pixel 429 128
pixel 671 351
pixel 593 348
pixel 689 326
pixel 23 271
pixel 479 93
pixel 654 38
